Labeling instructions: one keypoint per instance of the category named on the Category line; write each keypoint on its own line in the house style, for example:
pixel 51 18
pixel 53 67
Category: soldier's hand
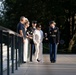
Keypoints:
pixel 30 37
pixel 35 43
pixel 55 30
pixel 46 38
pixel 26 36
pixel 57 43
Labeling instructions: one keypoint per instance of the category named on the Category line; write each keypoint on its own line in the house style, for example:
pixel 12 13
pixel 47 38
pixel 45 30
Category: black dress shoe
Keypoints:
pixel 53 61
pixel 38 60
pixel 24 61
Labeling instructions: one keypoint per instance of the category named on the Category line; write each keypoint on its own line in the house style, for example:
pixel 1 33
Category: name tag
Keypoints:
pixel 53 35
pixel 55 30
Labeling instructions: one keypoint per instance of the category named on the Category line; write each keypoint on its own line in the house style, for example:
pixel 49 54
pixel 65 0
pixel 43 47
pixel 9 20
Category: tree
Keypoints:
pixel 43 11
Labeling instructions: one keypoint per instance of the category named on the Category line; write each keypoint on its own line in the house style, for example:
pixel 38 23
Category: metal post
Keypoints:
pixel 16 53
pixel 22 50
pixel 8 65
pixel 1 53
pixel 12 49
pixel 19 54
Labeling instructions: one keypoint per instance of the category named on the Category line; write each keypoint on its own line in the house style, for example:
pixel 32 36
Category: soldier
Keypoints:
pixel 32 29
pixel 53 36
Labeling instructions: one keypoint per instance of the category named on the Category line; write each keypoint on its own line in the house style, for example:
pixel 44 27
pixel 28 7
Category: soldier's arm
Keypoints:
pixel 48 33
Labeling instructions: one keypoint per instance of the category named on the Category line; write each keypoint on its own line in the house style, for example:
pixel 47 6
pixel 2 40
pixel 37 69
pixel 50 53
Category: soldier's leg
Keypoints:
pixel 33 48
pixel 51 55
pixel 54 51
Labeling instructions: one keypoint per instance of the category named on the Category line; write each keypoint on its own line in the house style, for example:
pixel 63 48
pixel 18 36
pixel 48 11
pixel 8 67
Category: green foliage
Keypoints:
pixel 41 10
pixel 72 44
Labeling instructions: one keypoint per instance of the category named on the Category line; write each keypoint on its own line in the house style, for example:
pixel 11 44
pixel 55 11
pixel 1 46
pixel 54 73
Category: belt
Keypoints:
pixel 53 35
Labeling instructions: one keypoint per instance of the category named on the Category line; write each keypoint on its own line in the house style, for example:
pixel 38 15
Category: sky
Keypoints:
pixel 0 3
pixel 1 6
pixel 1 0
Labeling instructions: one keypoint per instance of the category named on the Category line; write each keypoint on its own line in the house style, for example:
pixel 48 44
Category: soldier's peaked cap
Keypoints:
pixel 35 22
pixel 52 22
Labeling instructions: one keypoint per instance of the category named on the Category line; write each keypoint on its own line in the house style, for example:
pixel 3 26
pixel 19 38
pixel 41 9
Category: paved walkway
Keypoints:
pixel 65 65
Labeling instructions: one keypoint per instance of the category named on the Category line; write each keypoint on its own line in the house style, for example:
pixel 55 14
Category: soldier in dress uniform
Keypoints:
pixel 32 29
pixel 53 36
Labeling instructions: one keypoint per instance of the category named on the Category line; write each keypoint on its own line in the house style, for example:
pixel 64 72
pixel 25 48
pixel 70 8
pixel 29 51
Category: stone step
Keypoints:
pixel 5 55
pixel 5 48
pixel 5 51
pixel 5 64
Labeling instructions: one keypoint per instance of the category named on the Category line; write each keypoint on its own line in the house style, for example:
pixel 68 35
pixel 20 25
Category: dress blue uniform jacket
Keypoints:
pixel 53 35
pixel 31 31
